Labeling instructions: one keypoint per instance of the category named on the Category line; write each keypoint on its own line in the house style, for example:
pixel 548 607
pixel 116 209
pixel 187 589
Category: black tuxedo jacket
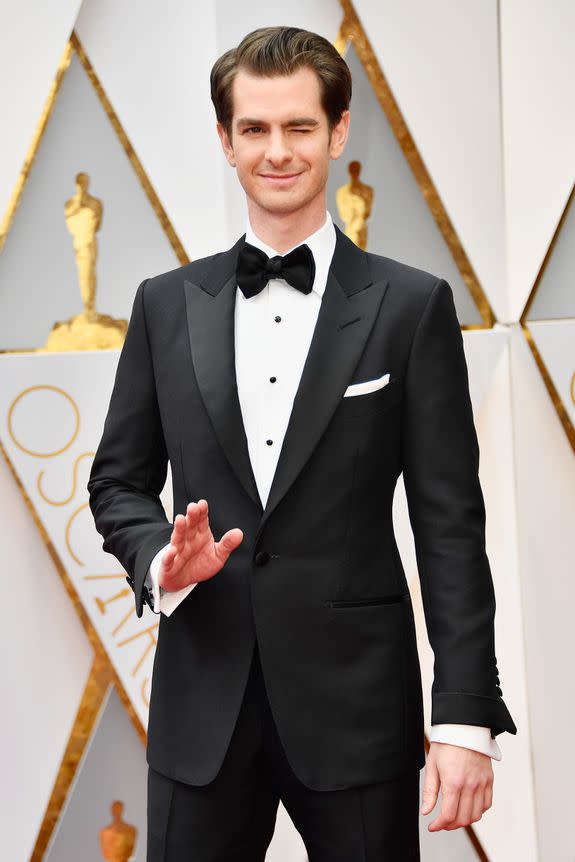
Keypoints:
pixel 318 579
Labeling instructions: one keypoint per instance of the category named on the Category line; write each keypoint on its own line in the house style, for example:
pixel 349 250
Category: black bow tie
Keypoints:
pixel 254 269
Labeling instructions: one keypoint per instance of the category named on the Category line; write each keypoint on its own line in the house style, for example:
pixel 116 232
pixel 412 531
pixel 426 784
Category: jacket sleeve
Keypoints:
pixel 130 466
pixel 440 459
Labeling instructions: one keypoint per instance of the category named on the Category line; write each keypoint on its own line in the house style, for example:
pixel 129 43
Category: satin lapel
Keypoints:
pixel 210 305
pixel 348 310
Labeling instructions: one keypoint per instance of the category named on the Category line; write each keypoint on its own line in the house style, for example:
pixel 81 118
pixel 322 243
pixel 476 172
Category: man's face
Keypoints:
pixel 280 143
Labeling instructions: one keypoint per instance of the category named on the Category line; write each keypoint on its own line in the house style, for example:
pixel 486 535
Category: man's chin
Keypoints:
pixel 280 204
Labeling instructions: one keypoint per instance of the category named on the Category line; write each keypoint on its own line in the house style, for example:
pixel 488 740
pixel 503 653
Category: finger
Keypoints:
pixel 477 805
pixel 449 803
pixel 464 809
pixel 488 796
pixel 203 524
pixel 430 787
pixel 168 557
pixel 178 531
pixel 190 521
pixel 172 555
pixel 192 514
pixel 197 519
pixel 166 569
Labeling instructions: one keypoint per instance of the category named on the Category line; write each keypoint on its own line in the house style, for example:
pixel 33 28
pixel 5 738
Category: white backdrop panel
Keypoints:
pixel 46 659
pixel 151 58
pixel 537 75
pixel 113 767
pixel 546 513
pixel 33 36
pixel 441 60
pixel 555 340
pixel 56 404
pixel 507 830
pixel 401 224
pixel 555 296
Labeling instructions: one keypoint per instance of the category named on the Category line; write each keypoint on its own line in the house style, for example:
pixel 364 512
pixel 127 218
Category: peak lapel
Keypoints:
pixel 210 304
pixel 348 310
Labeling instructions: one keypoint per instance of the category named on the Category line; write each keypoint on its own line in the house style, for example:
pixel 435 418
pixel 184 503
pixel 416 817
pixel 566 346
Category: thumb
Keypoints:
pixel 430 787
pixel 229 541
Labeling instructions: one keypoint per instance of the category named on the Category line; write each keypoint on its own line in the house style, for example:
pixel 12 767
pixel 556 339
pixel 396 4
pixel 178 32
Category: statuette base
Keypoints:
pixel 87 331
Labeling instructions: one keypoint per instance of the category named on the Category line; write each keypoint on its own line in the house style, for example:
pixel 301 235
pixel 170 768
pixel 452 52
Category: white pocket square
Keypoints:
pixel 366 386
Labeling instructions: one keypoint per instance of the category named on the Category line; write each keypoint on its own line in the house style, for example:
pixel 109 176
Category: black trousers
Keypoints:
pixel 232 818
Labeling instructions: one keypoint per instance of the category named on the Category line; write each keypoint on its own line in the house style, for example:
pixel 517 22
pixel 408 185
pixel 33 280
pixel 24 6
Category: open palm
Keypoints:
pixel 193 555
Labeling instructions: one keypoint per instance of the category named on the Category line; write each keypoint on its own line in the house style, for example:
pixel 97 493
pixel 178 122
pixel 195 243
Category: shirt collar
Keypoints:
pixel 321 243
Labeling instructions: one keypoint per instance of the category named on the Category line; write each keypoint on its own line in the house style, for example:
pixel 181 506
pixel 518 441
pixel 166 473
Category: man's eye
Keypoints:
pixel 254 128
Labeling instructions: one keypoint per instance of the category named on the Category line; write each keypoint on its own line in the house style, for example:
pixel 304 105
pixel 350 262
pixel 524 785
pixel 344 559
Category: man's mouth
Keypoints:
pixel 279 179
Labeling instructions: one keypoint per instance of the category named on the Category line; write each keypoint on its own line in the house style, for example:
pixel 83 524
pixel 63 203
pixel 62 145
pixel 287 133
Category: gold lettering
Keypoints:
pixel 124 620
pixel 103 577
pixel 102 603
pixel 145 696
pixel 76 412
pixel 71 520
pixel 74 482
pixel 150 632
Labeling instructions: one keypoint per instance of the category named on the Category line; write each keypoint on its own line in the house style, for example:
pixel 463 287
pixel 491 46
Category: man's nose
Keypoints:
pixel 277 150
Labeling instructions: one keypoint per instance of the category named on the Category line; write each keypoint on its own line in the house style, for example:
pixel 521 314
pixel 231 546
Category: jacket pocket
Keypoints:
pixel 360 603
pixel 371 403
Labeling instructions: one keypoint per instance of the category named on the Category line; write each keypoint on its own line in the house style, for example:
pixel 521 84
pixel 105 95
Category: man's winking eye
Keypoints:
pixel 303 124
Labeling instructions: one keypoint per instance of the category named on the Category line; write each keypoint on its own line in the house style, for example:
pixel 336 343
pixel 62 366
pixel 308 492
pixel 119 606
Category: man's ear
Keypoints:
pixel 226 145
pixel 339 135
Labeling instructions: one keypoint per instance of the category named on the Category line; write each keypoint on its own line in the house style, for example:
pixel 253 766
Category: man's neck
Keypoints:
pixel 282 231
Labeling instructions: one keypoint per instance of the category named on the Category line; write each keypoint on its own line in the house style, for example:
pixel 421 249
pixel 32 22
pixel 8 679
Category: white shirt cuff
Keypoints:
pixel 468 736
pixel 164 602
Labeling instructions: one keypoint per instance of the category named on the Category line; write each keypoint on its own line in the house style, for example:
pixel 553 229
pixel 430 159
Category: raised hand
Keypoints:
pixel 193 555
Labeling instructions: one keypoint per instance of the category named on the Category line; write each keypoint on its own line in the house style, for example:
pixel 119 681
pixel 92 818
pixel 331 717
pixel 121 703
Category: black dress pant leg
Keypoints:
pixel 231 819
pixel 372 823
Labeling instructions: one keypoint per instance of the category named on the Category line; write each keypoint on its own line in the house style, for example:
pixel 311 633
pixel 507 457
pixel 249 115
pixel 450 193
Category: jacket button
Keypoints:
pixel 261 558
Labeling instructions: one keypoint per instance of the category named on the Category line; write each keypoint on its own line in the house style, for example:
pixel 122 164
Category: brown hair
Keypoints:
pixel 271 51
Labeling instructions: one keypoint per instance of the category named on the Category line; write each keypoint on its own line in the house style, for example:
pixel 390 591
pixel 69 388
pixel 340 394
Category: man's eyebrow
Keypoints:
pixel 296 121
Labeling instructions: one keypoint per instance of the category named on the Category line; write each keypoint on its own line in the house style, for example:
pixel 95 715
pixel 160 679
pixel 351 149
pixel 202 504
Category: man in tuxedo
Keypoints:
pixel 290 380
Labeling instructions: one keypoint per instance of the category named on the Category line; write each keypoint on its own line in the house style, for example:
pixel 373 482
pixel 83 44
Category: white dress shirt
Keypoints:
pixel 273 331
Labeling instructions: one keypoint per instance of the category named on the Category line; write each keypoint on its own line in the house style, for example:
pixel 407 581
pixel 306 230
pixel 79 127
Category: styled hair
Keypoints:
pixel 271 51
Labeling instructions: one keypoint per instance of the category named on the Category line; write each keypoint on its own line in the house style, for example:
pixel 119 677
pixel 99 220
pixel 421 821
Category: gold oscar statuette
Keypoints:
pixel 118 839
pixel 88 330
pixel 354 201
